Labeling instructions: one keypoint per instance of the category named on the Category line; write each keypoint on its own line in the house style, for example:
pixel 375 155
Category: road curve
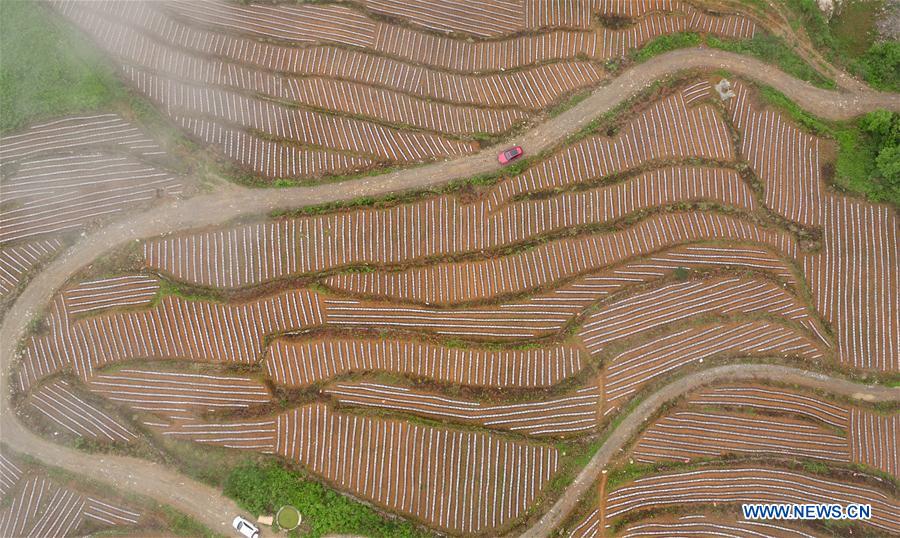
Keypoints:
pixel 232 201
pixel 632 424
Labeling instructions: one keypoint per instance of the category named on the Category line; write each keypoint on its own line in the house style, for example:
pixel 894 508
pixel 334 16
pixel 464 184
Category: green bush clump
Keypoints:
pixel 665 43
pixel 263 488
pixel 880 66
pixel 869 158
pixel 773 49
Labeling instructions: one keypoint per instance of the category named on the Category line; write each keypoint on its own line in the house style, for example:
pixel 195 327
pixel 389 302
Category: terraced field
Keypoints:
pixel 455 357
pixel 684 494
pixel 740 426
pixel 309 91
pixel 35 505
pixel 748 485
pixel 769 420
pixel 64 176
pixel 414 340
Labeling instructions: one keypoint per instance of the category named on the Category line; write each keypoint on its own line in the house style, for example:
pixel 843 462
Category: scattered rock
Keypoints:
pixel 724 89
pixel 828 7
pixel 888 21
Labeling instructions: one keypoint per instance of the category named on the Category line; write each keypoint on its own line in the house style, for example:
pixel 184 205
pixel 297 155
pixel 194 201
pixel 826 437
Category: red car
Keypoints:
pixel 508 156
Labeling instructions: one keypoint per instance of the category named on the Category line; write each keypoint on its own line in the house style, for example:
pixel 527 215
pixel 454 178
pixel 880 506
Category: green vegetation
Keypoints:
pixel 184 291
pixel 629 472
pixel 869 158
pixel 773 49
pixel 262 488
pixel 47 69
pixel 880 66
pixel 811 19
pixel 814 467
pixel 800 116
pixel 665 43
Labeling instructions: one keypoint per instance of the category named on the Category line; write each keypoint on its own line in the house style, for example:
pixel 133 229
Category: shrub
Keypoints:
pixel 880 66
pixel 681 273
pixel 869 158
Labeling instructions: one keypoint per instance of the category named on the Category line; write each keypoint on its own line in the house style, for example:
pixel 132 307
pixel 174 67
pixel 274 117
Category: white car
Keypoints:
pixel 247 529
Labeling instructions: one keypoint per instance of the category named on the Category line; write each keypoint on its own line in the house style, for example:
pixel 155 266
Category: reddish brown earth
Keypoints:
pixel 231 202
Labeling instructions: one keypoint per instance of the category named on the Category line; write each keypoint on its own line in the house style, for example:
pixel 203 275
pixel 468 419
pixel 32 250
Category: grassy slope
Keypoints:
pixel 47 69
pixel 665 43
pixel 766 47
pixel 854 27
pixel 773 49
pixel 849 40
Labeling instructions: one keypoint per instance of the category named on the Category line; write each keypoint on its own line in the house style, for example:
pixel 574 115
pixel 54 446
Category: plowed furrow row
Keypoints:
pixel 254 253
pixel 300 364
pixel 784 157
pixel 174 329
pixel 93 295
pixel 675 302
pixel 65 175
pixel 753 485
pixel 855 281
pixel 874 440
pixel 65 409
pixel 18 261
pixel 627 372
pixel 777 401
pixel 452 283
pixel 9 475
pixel 687 435
pixel 703 525
pixel 177 394
pixel 558 416
pixel 668 129
pixel 459 481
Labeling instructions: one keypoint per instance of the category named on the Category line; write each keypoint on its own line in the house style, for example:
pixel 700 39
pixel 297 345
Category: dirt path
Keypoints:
pixel 231 202
pixel 635 421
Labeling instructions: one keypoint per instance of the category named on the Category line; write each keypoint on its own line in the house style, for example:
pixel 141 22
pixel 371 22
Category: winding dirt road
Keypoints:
pixel 230 202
